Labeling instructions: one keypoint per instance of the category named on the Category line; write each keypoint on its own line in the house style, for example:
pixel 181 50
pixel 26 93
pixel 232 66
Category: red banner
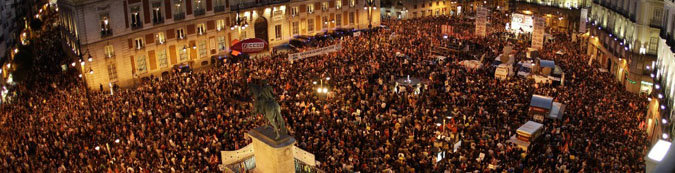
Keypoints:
pixel 251 45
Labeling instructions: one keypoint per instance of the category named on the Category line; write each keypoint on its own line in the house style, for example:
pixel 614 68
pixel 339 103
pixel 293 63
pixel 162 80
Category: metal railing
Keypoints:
pixel 219 8
pixel 246 5
pixel 106 33
pixel 179 16
pixel 200 11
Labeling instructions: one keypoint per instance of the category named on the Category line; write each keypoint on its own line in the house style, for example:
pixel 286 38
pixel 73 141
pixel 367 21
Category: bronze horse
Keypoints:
pixel 266 104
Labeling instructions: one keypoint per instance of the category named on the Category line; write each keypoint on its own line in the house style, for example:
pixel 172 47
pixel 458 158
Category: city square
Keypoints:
pixel 338 86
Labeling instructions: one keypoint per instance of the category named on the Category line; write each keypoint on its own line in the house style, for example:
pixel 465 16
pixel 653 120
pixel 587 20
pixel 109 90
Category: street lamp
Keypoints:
pixel 370 6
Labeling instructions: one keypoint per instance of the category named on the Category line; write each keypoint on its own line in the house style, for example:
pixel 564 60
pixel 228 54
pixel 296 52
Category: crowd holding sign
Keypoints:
pixel 538 34
pixel 481 22
pixel 313 52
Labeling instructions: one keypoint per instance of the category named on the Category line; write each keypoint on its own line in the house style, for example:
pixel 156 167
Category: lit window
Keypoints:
pixel 294 11
pixel 324 6
pixel 277 31
pixel 112 72
pixel 352 3
pixel 296 28
pixel 202 49
pixel 157 17
pixel 182 53
pixel 161 38
pixel 310 8
pixel 325 22
pixel 310 25
pixel 141 65
pixel 338 19
pixel 201 29
pixel 220 24
pixel 108 51
pixel 338 4
pixel 221 43
pixel 105 25
pixel 163 62
pixel 180 33
pixel 139 43
pixel 136 18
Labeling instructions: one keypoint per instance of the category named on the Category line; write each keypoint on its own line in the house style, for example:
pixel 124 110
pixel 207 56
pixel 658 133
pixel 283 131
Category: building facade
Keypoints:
pixel 624 39
pixel 408 9
pixel 660 110
pixel 120 41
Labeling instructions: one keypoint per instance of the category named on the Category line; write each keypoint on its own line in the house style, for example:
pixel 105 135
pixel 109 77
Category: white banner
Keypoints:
pixel 481 22
pixel 314 52
pixel 521 23
pixel 582 21
pixel 538 34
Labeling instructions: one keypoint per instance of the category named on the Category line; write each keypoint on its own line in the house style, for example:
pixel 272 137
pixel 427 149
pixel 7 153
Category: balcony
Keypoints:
pixel 159 20
pixel 247 5
pixel 219 8
pixel 106 33
pixel 136 26
pixel 179 16
pixel 655 23
pixel 200 11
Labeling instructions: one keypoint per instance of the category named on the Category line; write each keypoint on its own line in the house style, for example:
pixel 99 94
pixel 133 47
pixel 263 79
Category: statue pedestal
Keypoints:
pixel 272 155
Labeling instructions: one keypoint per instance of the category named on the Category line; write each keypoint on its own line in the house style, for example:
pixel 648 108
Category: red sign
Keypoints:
pixel 251 45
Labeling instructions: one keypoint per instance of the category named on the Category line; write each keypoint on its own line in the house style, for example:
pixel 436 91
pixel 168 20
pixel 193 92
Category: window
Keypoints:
pixel 277 31
pixel 352 3
pixel 202 49
pixel 653 45
pixel 163 62
pixel 221 43
pixel 338 20
pixel 325 22
pixel 108 51
pixel 324 6
pixel 199 7
pixel 201 29
pixel 310 8
pixel 105 25
pixel 294 11
pixel 161 38
pixel 136 18
pixel 180 33
pixel 296 28
pixel 112 72
pixel 157 17
pixel 338 4
pixel 140 65
pixel 351 18
pixel 180 12
pixel 182 54
pixel 310 25
pixel 139 43
pixel 220 6
pixel 220 24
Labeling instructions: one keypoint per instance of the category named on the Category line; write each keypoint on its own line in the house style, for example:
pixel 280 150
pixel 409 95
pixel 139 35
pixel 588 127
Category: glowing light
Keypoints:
pixel 97 148
pixel 665 136
pixel 117 140
pixel 664 121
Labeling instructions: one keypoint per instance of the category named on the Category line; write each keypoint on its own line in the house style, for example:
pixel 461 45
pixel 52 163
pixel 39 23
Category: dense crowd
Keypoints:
pixel 180 122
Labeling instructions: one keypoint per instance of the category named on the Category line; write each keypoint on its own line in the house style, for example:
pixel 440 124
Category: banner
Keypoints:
pixel 582 21
pixel 521 23
pixel 481 22
pixel 314 52
pixel 251 45
pixel 538 33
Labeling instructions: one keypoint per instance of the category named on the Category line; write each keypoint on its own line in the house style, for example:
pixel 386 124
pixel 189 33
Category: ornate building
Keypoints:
pixel 120 41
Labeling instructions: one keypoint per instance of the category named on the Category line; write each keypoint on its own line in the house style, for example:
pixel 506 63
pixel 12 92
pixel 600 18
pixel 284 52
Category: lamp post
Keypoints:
pixel 83 76
pixel 370 6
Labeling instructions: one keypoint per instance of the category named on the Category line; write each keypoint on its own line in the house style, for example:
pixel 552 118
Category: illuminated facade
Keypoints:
pixel 570 4
pixel 624 40
pixel 132 39
pixel 662 101
pixel 407 9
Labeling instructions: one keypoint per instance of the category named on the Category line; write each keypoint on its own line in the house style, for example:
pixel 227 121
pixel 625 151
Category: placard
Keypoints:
pixel 314 52
pixel 481 22
pixel 538 33
pixel 582 21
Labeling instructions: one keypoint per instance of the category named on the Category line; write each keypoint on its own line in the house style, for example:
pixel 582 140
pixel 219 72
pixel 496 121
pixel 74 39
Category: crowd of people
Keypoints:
pixel 180 122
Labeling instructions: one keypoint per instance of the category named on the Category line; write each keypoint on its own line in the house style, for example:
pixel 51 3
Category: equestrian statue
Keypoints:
pixel 265 104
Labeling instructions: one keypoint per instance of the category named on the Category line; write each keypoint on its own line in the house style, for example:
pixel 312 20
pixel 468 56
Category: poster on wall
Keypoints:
pixel 582 20
pixel 538 33
pixel 481 22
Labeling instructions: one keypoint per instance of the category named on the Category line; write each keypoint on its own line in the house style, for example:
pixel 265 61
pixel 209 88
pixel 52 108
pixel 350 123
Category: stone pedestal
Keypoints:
pixel 272 155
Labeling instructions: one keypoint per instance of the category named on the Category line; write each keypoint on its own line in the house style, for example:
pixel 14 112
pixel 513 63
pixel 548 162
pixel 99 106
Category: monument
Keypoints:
pixel 273 147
